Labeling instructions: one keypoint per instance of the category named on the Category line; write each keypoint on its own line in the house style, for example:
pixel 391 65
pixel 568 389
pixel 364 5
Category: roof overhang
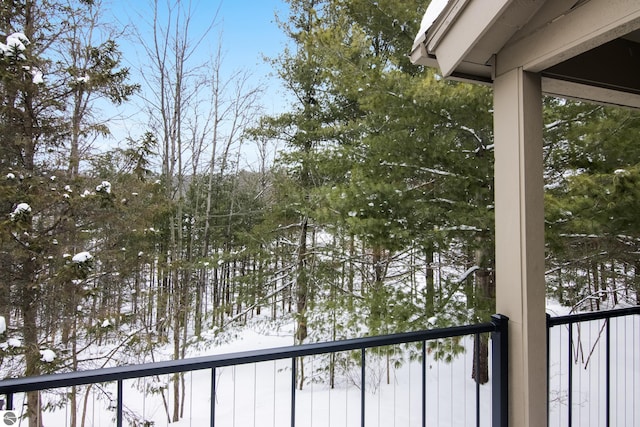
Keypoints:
pixel 584 49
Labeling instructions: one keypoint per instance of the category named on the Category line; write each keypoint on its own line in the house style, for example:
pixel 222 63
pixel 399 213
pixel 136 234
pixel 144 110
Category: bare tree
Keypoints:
pixel 172 82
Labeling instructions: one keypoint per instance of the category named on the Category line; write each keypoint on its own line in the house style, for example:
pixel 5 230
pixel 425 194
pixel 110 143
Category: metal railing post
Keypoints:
pixel 500 370
pixel 363 397
pixel 570 377
pixel 119 413
pixel 548 317
pixel 294 380
pixel 608 372
pixel 476 355
pixel 424 384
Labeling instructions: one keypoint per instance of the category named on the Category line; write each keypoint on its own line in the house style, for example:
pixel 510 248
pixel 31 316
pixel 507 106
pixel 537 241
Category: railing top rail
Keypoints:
pixel 593 315
pixel 68 379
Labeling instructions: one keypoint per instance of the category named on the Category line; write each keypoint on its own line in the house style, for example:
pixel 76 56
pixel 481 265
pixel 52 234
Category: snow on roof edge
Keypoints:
pixel 434 9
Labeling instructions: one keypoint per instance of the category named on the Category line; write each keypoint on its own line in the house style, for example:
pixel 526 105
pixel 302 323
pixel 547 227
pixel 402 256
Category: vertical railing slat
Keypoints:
pixel 570 378
pixel 476 355
pixel 424 384
pixel 363 374
pixel 212 409
pixel 608 372
pixel 294 378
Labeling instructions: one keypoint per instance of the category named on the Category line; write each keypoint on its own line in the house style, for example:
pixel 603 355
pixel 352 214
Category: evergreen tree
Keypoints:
pixel 591 174
pixel 390 159
pixel 42 203
pixel 303 130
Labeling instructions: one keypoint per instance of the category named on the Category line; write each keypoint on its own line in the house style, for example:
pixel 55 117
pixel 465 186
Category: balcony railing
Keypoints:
pixel 361 347
pixel 593 367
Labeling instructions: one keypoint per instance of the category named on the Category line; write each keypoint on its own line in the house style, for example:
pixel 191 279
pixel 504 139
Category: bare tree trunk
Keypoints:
pixel 302 283
pixel 484 297
pixel 162 295
pixel 430 285
pixel 377 294
pixel 593 267
pixel 73 399
pixel 29 299
pixel 480 371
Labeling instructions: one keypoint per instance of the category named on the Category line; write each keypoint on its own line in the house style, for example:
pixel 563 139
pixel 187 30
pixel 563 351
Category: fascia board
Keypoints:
pixel 420 56
pixel 443 23
pixel 433 12
pixel 459 28
pixel 431 32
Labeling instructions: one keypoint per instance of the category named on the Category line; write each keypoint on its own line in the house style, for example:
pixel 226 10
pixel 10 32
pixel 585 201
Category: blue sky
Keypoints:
pixel 249 32
pixel 248 29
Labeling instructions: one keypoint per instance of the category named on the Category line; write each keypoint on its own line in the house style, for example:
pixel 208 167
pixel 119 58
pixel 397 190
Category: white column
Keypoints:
pixel 519 215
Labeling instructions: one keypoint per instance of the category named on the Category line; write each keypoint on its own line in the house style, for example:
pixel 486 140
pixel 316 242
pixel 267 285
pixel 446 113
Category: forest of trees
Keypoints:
pixel 376 215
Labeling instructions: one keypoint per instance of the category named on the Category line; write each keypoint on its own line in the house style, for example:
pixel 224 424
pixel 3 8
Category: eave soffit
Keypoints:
pixel 564 40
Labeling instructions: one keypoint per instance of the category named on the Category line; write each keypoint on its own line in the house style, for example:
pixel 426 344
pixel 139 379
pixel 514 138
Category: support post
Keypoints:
pixel 519 215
